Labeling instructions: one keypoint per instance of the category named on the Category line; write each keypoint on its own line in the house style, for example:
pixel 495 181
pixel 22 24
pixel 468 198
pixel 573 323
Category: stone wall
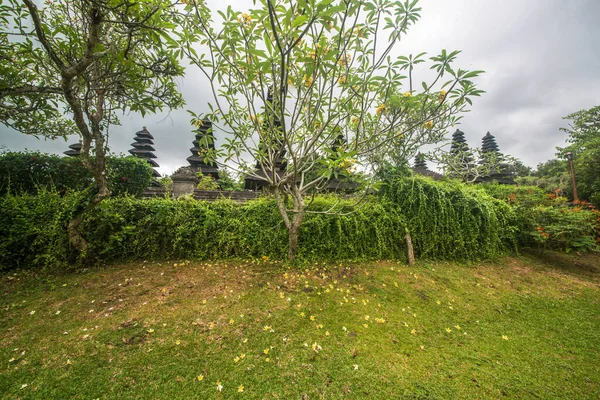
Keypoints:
pixel 207 195
pixel 212 195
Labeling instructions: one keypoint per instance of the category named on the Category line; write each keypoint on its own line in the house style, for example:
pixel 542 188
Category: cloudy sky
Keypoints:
pixel 541 57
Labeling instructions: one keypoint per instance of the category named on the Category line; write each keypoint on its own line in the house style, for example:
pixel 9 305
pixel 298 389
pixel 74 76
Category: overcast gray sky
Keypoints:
pixel 541 57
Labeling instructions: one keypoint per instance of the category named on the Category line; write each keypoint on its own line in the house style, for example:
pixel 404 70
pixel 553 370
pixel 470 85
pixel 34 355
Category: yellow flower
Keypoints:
pixel 327 333
pixel 342 80
pixel 231 322
pixel 354 120
pixel 407 94
pixel 308 81
pixel 312 317
pixel 442 95
pixel 236 359
pixel 380 109
pixel 302 314
pixel 219 386
pixel 242 356
pixel 281 295
pixel 414 331
pixel 200 377
pixel 241 389
pixel 204 301
pixel 267 328
pixel 245 20
pixel 457 327
pixel 366 325
pixel 150 330
pixel 504 337
pixel 428 124
pixel 178 342
pixel 266 351
pixel 448 330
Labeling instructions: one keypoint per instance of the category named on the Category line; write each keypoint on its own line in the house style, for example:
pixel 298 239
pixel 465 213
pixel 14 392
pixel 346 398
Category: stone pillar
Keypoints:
pixel 184 182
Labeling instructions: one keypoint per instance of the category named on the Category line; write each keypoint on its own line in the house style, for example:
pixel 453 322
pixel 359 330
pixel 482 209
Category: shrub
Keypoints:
pixel 451 220
pixel 547 220
pixel 28 172
pixel 33 229
pixel 446 221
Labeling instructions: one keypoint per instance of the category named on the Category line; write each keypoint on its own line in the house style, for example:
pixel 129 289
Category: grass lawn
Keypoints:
pixel 524 327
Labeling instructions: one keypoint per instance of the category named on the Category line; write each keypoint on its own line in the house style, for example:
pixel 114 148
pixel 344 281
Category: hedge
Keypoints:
pixel 31 171
pixel 446 221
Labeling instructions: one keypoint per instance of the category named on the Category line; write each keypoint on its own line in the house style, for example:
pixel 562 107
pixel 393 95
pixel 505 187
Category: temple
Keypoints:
pixel 204 143
pixel 420 168
pixel 142 148
pixel 75 150
pixel 258 180
pixel 500 173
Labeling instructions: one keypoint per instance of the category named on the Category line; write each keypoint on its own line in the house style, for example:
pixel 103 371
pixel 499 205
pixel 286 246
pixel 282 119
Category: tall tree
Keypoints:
pixel 329 69
pixel 70 66
pixel 584 143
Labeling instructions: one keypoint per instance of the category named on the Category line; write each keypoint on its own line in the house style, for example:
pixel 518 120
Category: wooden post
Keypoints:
pixel 409 247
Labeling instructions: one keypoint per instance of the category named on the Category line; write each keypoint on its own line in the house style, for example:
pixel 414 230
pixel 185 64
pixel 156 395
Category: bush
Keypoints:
pixel 33 229
pixel 451 220
pixel 547 220
pixel 29 172
pixel 561 227
pixel 446 221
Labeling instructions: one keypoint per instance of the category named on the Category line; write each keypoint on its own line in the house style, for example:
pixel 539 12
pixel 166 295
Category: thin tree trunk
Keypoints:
pixel 409 247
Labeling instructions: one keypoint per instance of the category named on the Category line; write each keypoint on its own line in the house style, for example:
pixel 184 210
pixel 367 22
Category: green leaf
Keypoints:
pixel 299 20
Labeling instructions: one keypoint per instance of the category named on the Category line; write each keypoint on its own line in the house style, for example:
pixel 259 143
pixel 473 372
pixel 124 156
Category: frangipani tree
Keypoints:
pixel 291 77
pixel 71 66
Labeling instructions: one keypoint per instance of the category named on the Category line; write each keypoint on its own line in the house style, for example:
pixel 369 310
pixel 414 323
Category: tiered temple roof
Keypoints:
pixel 420 162
pixel 258 181
pixel 75 150
pixel 488 144
pixel 459 143
pixel 203 143
pixel 340 183
pixel 501 172
pixel 143 148
pixel 420 167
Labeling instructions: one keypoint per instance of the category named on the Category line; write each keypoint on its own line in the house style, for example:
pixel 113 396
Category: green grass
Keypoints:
pixel 526 327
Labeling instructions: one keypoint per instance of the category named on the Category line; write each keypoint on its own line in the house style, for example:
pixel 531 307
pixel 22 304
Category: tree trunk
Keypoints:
pixel 75 237
pixel 293 243
pixel 97 167
pixel 292 224
pixel 409 247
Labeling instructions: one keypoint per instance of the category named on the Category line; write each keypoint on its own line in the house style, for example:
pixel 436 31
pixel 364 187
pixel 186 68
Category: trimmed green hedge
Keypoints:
pixel 29 172
pixel 446 221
